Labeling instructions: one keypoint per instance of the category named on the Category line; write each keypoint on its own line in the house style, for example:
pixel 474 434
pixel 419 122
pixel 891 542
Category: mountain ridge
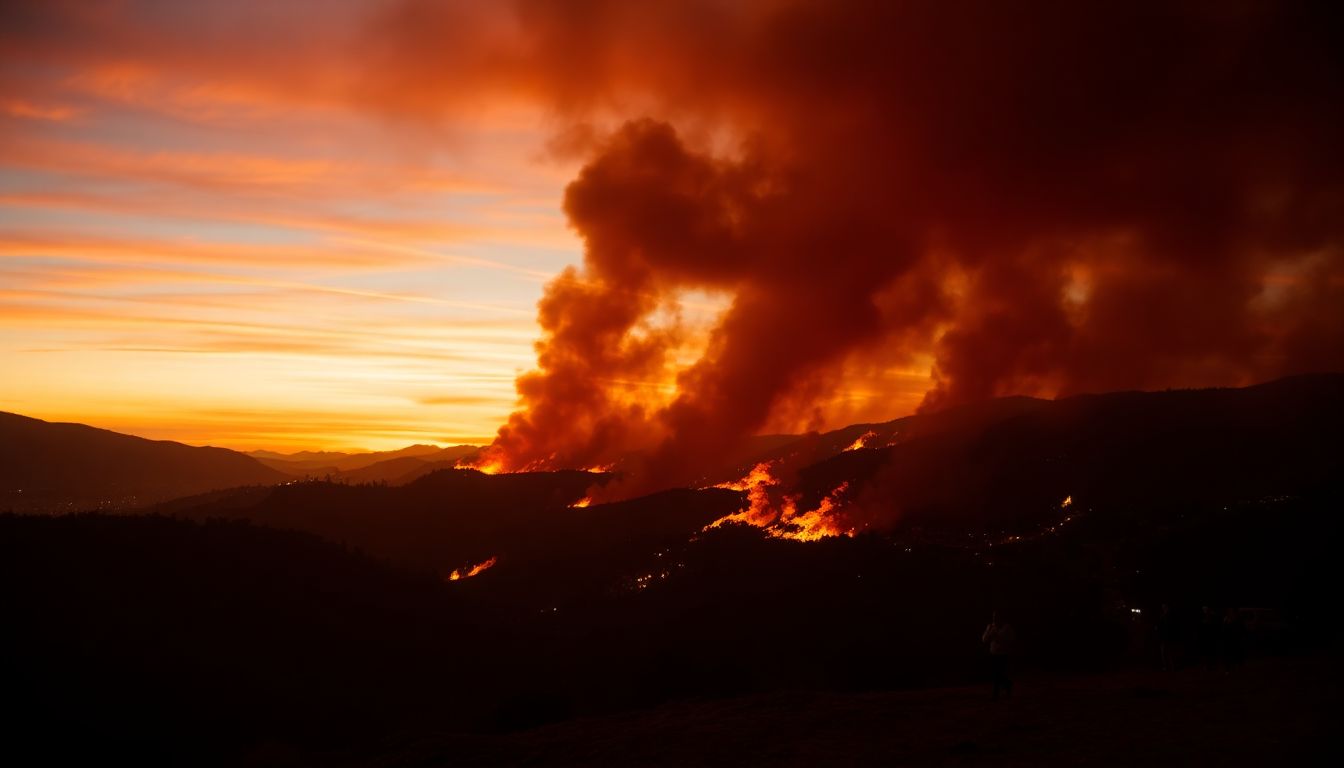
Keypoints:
pixel 63 465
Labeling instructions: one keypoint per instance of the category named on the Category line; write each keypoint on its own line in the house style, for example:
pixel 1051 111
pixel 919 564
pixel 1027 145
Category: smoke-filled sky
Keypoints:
pixel 327 224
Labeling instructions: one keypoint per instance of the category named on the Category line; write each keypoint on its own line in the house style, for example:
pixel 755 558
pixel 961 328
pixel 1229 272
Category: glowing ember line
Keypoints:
pixel 862 441
pixel 467 573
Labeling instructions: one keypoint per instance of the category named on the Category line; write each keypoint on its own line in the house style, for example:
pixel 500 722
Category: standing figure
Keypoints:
pixel 999 635
pixel 1233 639
pixel 1209 629
pixel 1167 638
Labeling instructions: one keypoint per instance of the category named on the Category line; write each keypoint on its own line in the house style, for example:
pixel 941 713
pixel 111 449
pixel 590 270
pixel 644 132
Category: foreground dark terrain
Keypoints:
pixel 1276 712
pixel 320 622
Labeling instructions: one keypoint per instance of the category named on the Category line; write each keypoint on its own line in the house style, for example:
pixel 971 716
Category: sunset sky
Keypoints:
pixel 195 246
pixel 328 224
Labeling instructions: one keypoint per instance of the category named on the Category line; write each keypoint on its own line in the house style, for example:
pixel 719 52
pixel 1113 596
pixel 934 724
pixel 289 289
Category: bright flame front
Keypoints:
pixel 467 573
pixel 861 442
pixel 783 520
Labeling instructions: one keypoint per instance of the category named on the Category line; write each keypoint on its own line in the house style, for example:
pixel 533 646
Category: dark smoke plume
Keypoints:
pixel 1038 198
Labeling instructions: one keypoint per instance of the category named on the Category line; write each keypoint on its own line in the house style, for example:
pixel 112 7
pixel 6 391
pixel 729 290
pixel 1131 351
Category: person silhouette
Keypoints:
pixel 999 636
pixel 1232 639
pixel 1209 630
pixel 1167 636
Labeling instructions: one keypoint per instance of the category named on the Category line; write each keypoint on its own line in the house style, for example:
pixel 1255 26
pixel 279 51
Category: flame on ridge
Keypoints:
pixel 861 442
pixel 482 464
pixel 783 520
pixel 467 573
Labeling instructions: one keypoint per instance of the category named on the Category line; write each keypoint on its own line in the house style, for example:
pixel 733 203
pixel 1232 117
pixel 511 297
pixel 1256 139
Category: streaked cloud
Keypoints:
pixel 213 229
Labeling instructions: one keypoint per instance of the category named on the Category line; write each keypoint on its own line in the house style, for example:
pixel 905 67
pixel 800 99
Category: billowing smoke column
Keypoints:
pixel 1033 198
pixel 658 219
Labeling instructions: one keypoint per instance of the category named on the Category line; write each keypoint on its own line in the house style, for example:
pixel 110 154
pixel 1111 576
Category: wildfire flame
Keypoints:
pixel 782 521
pixel 585 501
pixel 467 573
pixel 759 475
pixel 492 462
pixel 1067 502
pixel 483 464
pixel 861 442
pixel 816 524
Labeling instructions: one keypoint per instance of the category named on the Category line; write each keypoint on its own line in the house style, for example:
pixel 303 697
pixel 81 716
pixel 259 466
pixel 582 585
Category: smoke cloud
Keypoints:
pixel 1037 198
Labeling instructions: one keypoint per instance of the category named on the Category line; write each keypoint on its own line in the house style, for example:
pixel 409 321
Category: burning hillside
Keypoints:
pixel 767 507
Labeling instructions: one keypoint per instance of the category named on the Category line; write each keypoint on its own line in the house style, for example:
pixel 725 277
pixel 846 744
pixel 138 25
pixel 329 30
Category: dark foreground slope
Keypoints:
pixel 196 643
pixel 53 466
pixel 205 639
pixel 1006 465
pixel 452 519
pixel 165 640
pixel 1272 712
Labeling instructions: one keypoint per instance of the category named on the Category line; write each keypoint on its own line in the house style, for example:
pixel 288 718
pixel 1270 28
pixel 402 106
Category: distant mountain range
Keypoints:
pixel 57 466
pixel 983 472
pixel 52 466
pixel 392 467
pixel 1005 459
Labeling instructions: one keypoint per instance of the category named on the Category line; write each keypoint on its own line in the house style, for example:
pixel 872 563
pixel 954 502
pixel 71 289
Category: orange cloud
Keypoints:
pixel 55 113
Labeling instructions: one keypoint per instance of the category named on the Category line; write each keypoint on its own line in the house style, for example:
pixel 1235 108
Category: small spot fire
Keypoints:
pixel 861 442
pixel 475 570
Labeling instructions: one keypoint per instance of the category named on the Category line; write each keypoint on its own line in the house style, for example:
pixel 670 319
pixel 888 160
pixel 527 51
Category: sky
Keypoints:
pixel 194 245
pixel 586 230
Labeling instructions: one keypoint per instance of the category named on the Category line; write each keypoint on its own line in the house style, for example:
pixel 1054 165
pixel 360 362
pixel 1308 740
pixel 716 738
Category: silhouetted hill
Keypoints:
pixel 794 452
pixel 223 640
pixel 45 465
pixel 390 471
pixel 452 519
pixel 1224 498
pixel 336 463
pixel 163 640
pixel 1009 468
pixel 970 476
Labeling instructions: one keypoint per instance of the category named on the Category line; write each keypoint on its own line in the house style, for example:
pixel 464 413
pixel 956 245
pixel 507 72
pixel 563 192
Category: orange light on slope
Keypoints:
pixel 467 573
pixel 816 524
pixel 782 521
pixel 486 466
pixel 861 442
